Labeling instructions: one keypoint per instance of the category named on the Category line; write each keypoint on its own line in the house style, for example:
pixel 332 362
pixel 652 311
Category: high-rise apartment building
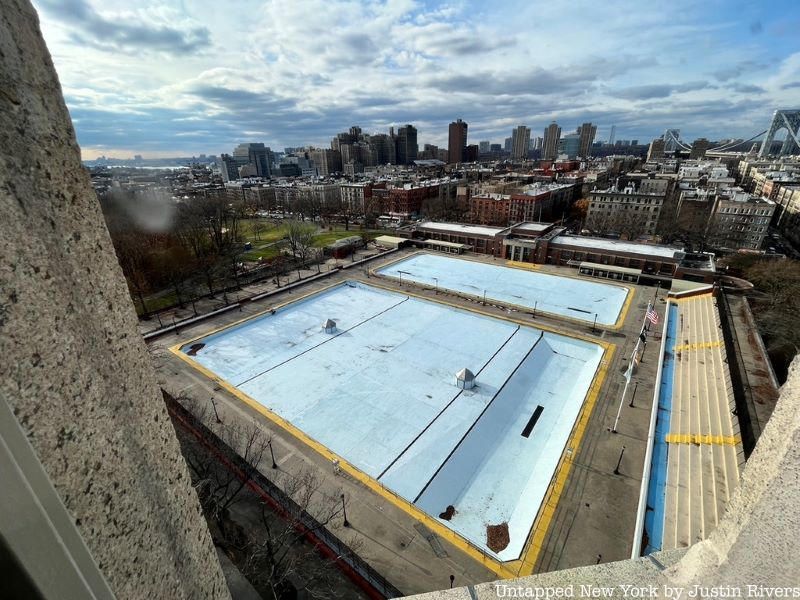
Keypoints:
pixel 520 142
pixel 507 145
pixel 550 144
pixel 229 167
pixel 254 154
pixel 383 149
pixel 586 131
pixel 570 145
pixel 326 161
pixel 406 145
pixel 457 142
pixel 484 147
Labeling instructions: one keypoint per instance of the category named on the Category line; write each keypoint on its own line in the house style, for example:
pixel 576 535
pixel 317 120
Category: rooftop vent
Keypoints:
pixel 329 326
pixel 465 379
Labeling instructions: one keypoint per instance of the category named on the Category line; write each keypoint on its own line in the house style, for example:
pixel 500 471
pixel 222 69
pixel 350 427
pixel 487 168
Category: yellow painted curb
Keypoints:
pixel 533 546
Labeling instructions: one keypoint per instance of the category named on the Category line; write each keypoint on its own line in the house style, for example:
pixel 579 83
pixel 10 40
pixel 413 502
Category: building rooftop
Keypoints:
pixel 539 227
pixel 540 187
pixel 461 228
pixel 628 191
pixel 617 246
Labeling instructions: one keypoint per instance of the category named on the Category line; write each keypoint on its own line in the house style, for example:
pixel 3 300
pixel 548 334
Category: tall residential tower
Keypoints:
pixel 457 142
pixel 550 144
pixel 520 142
pixel 587 132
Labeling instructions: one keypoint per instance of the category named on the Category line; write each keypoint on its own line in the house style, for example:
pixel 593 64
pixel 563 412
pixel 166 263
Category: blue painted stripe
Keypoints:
pixel 656 492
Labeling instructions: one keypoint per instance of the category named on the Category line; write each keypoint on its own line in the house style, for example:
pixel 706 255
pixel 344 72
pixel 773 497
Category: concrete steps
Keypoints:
pixel 705 454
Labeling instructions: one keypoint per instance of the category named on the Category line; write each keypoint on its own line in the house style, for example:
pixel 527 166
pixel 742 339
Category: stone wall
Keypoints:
pixel 72 365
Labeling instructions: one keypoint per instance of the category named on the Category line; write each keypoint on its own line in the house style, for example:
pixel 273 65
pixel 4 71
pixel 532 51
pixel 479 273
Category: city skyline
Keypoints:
pixel 159 80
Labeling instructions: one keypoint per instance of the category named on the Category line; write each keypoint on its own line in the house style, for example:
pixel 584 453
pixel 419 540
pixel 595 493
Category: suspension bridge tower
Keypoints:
pixel 783 119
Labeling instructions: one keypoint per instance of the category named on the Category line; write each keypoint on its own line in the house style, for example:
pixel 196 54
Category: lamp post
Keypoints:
pixel 344 512
pixel 272 453
pixel 635 387
pixel 619 461
pixel 594 325
pixel 216 414
pixel 436 281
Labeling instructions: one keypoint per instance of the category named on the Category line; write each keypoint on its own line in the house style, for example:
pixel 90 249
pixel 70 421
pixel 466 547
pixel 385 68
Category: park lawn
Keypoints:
pixel 255 255
pixel 272 233
pixel 328 237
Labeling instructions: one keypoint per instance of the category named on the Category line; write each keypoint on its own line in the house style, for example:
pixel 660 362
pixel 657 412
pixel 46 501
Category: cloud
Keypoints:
pixel 646 92
pixel 126 34
pixel 150 76
pixel 746 88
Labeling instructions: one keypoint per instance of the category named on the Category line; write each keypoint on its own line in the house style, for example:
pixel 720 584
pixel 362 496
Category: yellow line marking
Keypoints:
pixel 699 346
pixel 534 544
pixel 702 438
pixel 521 266
pixel 623 314
pixel 547 510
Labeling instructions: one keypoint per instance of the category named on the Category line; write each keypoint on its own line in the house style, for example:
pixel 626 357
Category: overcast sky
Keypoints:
pixel 179 77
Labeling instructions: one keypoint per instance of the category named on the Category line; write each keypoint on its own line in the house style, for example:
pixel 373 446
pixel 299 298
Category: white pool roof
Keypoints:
pixel 573 298
pixel 380 394
pixel 461 228
pixel 616 245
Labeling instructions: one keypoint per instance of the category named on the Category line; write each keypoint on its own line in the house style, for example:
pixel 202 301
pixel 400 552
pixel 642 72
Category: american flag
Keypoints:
pixel 651 315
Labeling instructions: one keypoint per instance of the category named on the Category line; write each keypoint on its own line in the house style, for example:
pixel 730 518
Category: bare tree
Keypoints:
pixel 287 556
pixel 300 237
pixel 219 488
pixel 194 232
pixel 279 551
pixel 258 227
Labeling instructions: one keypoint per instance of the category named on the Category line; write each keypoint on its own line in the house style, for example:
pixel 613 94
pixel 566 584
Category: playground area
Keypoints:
pixel 463 415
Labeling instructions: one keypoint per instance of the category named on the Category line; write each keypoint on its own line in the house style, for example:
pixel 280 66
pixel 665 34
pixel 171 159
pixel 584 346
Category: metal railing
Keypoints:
pixel 295 513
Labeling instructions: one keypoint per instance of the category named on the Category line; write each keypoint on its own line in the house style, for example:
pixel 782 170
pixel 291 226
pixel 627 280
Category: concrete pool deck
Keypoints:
pixel 570 298
pixel 379 395
pixel 593 516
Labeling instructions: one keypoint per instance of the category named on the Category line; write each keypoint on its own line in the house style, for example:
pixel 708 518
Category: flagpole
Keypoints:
pixel 629 372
